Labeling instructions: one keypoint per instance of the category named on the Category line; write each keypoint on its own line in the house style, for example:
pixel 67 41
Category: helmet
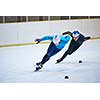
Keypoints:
pixel 56 39
pixel 75 34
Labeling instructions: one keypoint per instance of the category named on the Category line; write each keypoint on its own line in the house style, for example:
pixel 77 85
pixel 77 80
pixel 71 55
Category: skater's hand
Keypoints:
pixel 87 38
pixel 59 60
pixel 37 41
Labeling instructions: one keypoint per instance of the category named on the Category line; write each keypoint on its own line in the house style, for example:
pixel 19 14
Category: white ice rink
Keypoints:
pixel 16 65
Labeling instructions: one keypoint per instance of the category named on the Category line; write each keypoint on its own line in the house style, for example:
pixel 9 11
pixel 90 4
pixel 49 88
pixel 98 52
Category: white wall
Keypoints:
pixel 27 32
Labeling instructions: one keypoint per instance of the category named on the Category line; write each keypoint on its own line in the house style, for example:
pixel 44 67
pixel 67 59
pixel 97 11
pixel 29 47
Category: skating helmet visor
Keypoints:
pixel 75 34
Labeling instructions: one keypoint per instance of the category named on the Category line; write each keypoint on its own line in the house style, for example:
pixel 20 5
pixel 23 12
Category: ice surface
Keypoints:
pixel 16 65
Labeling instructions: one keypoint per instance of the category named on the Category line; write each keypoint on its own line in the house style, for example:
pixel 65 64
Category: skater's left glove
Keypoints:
pixel 87 38
pixel 37 41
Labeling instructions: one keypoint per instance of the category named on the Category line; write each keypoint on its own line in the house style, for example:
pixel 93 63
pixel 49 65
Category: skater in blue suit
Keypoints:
pixel 56 45
pixel 77 40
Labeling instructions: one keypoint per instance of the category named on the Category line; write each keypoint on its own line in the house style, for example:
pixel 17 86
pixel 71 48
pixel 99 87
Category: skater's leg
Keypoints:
pixel 45 59
pixel 40 64
pixel 48 54
pixel 72 48
pixel 52 50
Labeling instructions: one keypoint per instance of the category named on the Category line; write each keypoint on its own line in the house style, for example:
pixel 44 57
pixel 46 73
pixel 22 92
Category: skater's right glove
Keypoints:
pixel 37 41
pixel 87 38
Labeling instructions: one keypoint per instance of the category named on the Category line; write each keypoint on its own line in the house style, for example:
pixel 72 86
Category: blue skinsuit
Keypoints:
pixel 53 49
pixel 63 40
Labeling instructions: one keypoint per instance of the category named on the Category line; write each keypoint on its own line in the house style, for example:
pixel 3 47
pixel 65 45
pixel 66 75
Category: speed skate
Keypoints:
pixel 37 67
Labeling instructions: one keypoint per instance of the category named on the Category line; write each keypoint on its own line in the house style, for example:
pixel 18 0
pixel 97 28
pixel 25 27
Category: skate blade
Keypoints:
pixel 57 62
pixel 35 70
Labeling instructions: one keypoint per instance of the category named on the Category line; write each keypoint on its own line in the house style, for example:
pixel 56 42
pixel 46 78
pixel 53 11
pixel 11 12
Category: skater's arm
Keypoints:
pixel 87 38
pixel 38 40
pixel 46 38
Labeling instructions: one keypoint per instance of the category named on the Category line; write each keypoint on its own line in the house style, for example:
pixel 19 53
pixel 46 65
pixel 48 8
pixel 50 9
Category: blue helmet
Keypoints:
pixel 75 34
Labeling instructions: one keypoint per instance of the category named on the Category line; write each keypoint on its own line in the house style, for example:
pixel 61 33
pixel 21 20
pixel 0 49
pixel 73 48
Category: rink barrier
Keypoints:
pixel 32 43
pixel 22 44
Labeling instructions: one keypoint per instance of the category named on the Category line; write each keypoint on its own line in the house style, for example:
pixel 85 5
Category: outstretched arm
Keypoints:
pixel 38 40
pixel 87 38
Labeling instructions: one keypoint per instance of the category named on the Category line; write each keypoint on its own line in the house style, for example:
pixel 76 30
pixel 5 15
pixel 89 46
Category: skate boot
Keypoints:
pixel 39 66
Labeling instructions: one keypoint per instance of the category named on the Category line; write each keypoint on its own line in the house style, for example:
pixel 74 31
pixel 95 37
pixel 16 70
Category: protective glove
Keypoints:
pixel 87 38
pixel 37 41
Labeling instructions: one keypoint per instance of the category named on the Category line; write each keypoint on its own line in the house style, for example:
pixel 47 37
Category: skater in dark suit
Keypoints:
pixel 76 42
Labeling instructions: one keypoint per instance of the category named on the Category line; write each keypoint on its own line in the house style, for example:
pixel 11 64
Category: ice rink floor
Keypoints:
pixel 16 65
